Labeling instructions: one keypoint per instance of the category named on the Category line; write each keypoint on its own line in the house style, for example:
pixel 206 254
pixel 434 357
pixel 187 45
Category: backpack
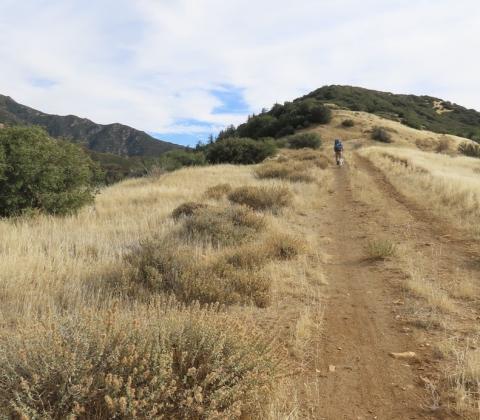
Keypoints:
pixel 338 146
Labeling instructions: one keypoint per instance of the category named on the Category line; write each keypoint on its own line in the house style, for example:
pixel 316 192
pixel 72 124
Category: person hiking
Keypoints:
pixel 338 148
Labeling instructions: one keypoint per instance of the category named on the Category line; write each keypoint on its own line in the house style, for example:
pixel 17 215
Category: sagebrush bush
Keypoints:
pixel 165 363
pixel 222 225
pixel 282 246
pixel 218 191
pixel 283 170
pixel 381 134
pixel 304 140
pixel 469 149
pixel 381 249
pixel 348 123
pixel 262 198
pixel 163 265
pixel 187 209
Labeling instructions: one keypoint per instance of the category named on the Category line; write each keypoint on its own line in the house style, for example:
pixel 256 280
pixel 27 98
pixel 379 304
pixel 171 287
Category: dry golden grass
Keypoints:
pixel 67 274
pixel 447 186
pixel 401 134
pixel 290 171
pixel 262 198
pixel 217 191
pixel 380 249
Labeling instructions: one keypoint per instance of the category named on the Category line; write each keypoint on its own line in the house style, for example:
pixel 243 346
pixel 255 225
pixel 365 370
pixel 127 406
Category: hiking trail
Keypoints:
pixel 361 325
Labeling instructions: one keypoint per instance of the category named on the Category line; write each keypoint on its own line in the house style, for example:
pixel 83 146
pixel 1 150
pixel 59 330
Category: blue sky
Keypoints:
pixel 183 69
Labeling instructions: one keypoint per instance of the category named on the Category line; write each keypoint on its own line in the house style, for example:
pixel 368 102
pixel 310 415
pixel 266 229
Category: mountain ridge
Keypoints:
pixel 416 111
pixel 419 112
pixel 115 138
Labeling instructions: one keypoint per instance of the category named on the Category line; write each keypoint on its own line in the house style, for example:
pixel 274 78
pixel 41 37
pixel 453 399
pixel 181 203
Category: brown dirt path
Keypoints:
pixel 359 325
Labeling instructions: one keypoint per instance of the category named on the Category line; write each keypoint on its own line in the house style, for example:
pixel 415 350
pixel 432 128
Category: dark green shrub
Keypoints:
pixel 300 141
pixel 239 151
pixel 38 172
pixel 320 114
pixel 469 149
pixel 348 123
pixel 381 134
pixel 281 120
pixel 176 159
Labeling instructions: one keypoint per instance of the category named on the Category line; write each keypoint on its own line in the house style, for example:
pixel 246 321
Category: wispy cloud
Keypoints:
pixel 156 65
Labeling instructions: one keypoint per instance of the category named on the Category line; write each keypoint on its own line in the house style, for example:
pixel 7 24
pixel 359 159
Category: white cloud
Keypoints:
pixel 151 63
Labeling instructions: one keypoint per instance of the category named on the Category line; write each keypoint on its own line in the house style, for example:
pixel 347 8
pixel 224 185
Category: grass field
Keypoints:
pixel 124 273
pixel 202 293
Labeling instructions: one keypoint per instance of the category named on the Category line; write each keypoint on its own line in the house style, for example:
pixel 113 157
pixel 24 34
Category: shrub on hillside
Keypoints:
pixel 288 171
pixel 187 209
pixel 176 159
pixel 222 225
pixel 262 198
pixel 165 265
pixel 166 363
pixel 239 151
pixel 469 149
pixel 282 120
pixel 443 145
pixel 304 140
pixel 40 173
pixel 348 123
pixel 381 134
pixel 217 191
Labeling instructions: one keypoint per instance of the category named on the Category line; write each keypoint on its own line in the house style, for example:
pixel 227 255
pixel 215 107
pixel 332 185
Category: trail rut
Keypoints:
pixel 360 327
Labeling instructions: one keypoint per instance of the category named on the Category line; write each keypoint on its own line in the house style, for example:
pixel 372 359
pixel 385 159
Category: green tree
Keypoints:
pixel 239 151
pixel 38 172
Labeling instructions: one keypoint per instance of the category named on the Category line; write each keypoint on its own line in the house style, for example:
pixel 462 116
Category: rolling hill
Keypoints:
pixel 117 139
pixel 418 112
pixel 421 112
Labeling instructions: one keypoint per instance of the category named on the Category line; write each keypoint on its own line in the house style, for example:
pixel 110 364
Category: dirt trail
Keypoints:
pixel 360 327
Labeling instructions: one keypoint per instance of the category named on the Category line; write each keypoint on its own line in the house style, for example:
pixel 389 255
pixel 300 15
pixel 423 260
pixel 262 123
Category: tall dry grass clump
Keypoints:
pixel 187 209
pixel 289 171
pixel 218 191
pixel 171 267
pixel 262 198
pixel 156 363
pixel 380 249
pixel 309 157
pixel 222 225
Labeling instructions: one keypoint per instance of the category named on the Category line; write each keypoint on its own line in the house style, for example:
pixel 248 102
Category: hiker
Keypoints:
pixel 338 148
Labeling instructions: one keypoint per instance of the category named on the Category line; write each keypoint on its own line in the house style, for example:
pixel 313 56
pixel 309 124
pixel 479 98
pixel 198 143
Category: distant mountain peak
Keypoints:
pixel 113 138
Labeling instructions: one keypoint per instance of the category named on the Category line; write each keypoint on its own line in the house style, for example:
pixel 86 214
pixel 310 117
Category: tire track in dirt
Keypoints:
pixel 359 325
pixel 431 226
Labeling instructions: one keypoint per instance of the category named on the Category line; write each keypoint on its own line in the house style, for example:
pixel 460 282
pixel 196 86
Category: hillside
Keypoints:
pixel 116 138
pixel 293 288
pixel 421 112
